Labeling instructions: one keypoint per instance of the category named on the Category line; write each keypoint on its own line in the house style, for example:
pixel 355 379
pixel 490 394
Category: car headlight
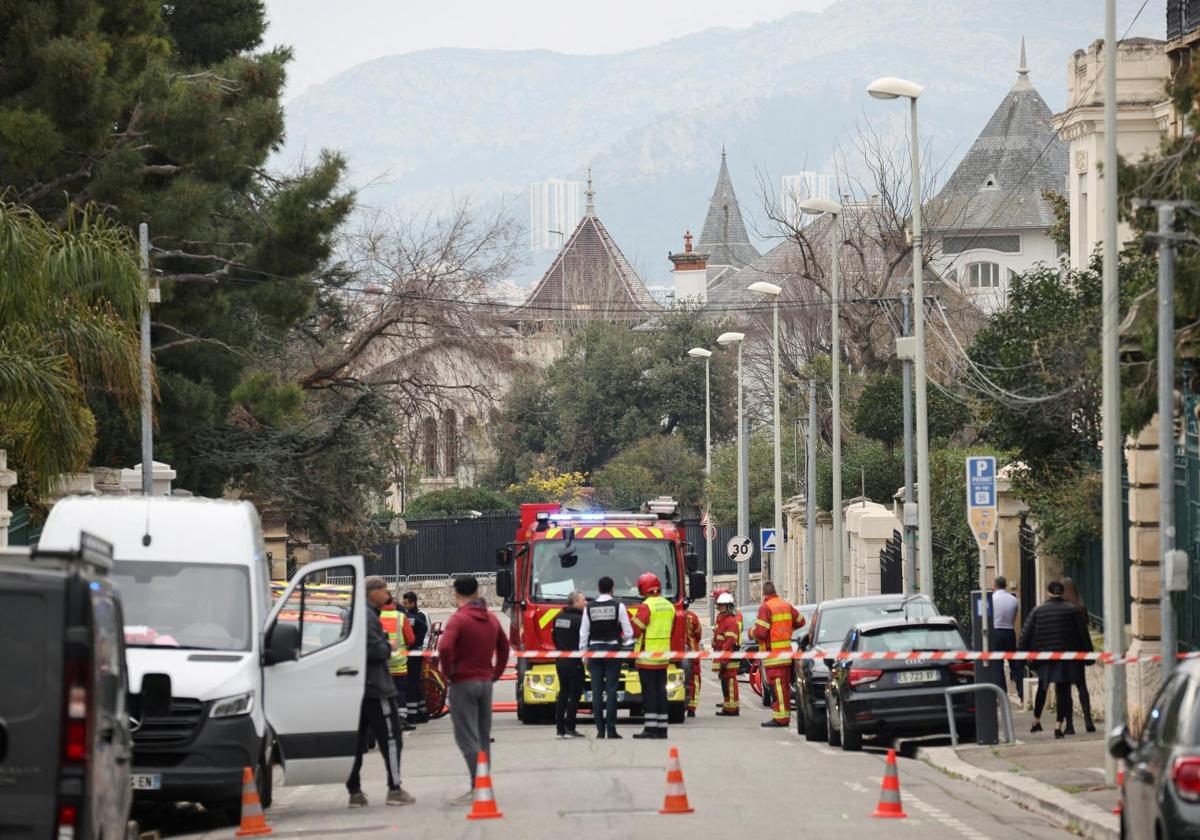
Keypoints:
pixel 238 704
pixel 549 680
pixel 674 681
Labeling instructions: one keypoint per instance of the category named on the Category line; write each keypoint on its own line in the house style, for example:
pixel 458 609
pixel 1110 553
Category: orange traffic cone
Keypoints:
pixel 1120 785
pixel 676 801
pixel 484 806
pixel 253 821
pixel 889 792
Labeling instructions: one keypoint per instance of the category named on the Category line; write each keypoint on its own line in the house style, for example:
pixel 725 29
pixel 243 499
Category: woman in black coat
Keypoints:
pixel 1071 596
pixel 1055 626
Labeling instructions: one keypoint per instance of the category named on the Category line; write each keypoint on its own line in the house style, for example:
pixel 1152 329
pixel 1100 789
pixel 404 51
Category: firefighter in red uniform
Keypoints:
pixel 653 620
pixel 777 620
pixel 727 637
pixel 694 634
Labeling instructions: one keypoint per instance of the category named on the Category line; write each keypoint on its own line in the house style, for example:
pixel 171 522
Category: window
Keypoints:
pixel 555 574
pixel 834 623
pixel 429 446
pixel 912 638
pixel 450 428
pixel 324 612
pixel 200 606
pixel 990 182
pixel 983 275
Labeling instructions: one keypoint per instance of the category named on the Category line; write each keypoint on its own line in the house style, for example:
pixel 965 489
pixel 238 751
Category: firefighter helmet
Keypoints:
pixel 717 593
pixel 725 598
pixel 649 583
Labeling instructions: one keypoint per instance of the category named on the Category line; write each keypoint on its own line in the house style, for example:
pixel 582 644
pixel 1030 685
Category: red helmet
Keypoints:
pixel 649 583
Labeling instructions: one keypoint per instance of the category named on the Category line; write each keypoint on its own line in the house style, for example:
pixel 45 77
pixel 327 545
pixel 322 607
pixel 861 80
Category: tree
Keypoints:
pixel 69 301
pixel 162 113
pixel 878 412
pixel 549 485
pixel 863 461
pixel 659 465
pixel 457 501
pixel 722 486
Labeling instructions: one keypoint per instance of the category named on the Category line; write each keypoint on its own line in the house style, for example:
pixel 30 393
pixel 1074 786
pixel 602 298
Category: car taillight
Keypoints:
pixel 75 712
pixel 1185 775
pixel 962 668
pixel 861 676
pixel 68 815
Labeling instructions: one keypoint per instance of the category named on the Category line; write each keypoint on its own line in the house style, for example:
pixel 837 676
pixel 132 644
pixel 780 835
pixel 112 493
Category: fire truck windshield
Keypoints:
pixel 556 575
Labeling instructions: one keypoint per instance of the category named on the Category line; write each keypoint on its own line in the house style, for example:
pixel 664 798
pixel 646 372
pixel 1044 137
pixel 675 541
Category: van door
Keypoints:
pixel 315 655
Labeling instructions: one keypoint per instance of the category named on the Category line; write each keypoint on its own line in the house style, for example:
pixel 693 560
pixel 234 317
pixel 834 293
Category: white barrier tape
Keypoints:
pixel 1101 657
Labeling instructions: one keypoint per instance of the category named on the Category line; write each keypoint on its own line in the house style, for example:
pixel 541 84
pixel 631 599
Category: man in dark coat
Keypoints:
pixel 1055 626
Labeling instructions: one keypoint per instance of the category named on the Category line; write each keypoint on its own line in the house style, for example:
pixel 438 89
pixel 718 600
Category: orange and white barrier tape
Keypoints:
pixel 1102 657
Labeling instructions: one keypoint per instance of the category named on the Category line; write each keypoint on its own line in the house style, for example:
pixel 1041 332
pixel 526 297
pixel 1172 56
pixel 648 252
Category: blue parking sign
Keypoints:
pixel 981 482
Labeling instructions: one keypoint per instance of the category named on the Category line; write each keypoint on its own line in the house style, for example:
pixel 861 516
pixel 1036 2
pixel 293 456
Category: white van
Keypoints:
pixel 221 678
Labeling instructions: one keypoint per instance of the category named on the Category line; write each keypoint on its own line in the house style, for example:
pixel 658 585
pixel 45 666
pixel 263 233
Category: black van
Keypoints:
pixel 65 743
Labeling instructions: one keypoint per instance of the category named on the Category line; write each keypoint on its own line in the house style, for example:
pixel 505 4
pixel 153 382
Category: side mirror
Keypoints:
pixel 283 644
pixel 1120 742
pixel 829 662
pixel 691 560
pixel 504 583
pixel 504 557
pixel 697 585
pixel 804 641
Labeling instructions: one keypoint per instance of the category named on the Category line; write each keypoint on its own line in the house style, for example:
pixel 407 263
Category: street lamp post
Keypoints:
pixel 892 88
pixel 743 491
pixel 706 355
pixel 834 210
pixel 771 290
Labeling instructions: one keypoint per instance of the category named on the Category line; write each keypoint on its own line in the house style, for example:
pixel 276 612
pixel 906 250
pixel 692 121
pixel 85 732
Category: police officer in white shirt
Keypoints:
pixel 605 626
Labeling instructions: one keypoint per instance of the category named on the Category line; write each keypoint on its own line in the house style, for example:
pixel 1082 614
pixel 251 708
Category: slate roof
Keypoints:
pixel 999 183
pixel 590 280
pixel 724 236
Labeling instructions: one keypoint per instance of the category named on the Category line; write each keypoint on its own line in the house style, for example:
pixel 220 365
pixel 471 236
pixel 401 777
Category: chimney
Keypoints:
pixel 691 273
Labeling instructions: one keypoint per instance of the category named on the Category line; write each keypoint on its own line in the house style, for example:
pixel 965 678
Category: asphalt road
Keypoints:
pixel 742 780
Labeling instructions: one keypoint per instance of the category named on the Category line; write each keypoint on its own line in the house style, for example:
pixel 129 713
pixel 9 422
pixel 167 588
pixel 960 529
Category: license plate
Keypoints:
pixel 587 697
pixel 146 781
pixel 907 677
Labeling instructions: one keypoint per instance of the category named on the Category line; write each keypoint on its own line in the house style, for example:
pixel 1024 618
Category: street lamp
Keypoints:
pixel 706 355
pixel 743 490
pixel 817 206
pixel 892 88
pixel 771 290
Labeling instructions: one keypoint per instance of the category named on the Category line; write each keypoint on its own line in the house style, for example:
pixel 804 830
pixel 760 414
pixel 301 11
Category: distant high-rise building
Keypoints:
pixel 555 207
pixel 797 188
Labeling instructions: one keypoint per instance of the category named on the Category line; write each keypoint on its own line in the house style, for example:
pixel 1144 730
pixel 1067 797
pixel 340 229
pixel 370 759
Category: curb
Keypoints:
pixel 1046 800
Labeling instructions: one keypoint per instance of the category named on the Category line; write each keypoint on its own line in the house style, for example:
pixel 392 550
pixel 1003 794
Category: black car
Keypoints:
pixel 1161 793
pixel 897 696
pixel 825 631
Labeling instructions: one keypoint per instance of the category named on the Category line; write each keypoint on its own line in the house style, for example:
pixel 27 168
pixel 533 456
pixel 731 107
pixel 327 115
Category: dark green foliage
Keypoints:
pixel 879 412
pixel 722 488
pixel 654 466
pixel 456 501
pixel 884 473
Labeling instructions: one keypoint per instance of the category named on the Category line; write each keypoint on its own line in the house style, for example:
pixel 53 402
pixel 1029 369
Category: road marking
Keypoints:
pixel 857 787
pixel 785 743
pixel 945 819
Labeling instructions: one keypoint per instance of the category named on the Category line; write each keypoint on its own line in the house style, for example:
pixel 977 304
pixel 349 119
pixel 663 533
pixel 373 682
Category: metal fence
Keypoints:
pixel 891 571
pixel 440 547
pixel 1183 18
pixel 1187 510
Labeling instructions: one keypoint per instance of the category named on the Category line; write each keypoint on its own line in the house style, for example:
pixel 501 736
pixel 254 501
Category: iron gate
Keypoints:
pixel 891 566
pixel 1187 511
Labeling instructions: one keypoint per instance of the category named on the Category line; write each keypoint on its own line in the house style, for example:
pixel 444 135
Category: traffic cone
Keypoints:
pixel 484 805
pixel 889 792
pixel 676 801
pixel 1120 785
pixel 253 821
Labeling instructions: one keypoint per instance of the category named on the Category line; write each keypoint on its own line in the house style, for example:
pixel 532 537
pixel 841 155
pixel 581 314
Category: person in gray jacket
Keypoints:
pixel 378 715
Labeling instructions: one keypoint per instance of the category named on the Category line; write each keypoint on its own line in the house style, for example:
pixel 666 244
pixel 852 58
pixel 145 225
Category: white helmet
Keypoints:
pixel 725 598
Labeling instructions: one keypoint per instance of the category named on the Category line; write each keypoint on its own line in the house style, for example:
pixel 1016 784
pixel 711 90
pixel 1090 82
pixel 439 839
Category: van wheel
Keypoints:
pixel 226 811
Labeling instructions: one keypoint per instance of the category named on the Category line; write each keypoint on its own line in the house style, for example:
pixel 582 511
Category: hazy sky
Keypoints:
pixel 330 37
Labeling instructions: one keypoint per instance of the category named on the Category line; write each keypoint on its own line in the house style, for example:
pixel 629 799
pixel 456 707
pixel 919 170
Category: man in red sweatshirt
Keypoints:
pixel 472 654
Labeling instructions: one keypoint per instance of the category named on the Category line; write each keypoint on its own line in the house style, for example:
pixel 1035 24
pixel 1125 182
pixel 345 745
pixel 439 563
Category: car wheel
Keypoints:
pixel 831 735
pixel 814 730
pixel 851 737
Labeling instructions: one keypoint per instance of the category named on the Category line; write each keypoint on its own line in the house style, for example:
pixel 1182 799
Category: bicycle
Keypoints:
pixel 432 680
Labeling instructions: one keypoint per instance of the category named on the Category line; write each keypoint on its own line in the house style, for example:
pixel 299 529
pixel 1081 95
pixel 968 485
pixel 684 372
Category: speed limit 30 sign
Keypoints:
pixel 740 549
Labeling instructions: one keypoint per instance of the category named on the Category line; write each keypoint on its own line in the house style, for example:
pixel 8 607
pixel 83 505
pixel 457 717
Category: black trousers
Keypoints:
pixel 606 676
pixel 378 716
pixel 415 696
pixel 654 697
pixel 1005 639
pixel 400 681
pixel 1085 699
pixel 570 686
pixel 1062 693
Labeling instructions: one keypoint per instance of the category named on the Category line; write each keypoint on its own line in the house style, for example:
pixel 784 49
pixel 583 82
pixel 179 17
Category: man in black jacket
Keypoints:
pixel 1055 625
pixel 570 671
pixel 379 714
pixel 417 711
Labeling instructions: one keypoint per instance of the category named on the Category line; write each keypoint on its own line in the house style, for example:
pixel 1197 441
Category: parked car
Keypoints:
pixel 65 741
pixel 897 696
pixel 827 630
pixel 1161 793
pixel 222 678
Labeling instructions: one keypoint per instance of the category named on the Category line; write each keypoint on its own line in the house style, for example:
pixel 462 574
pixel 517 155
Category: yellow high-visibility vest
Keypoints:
pixel 656 637
pixel 393 623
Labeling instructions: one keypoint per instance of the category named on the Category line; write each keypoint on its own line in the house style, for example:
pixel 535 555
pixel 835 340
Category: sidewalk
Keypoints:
pixel 1062 780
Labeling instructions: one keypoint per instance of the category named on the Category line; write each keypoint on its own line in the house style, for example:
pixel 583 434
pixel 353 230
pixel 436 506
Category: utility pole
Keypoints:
pixel 149 294
pixel 810 500
pixel 1114 560
pixel 910 507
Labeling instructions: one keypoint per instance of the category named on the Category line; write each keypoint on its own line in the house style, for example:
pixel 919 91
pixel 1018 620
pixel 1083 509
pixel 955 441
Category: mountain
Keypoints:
pixel 420 128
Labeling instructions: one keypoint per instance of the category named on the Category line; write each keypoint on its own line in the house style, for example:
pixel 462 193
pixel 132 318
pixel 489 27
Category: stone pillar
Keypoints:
pixel 8 478
pixel 1007 549
pixel 1145 585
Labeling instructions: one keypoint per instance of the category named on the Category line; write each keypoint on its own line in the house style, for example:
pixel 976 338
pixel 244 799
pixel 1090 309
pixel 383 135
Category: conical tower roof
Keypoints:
pixel 724 236
pixel 1018 155
pixel 589 280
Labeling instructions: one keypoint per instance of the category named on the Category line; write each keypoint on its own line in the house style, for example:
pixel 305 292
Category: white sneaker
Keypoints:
pixel 467 798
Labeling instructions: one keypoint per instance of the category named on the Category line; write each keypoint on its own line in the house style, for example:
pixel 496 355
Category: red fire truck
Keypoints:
pixel 557 552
